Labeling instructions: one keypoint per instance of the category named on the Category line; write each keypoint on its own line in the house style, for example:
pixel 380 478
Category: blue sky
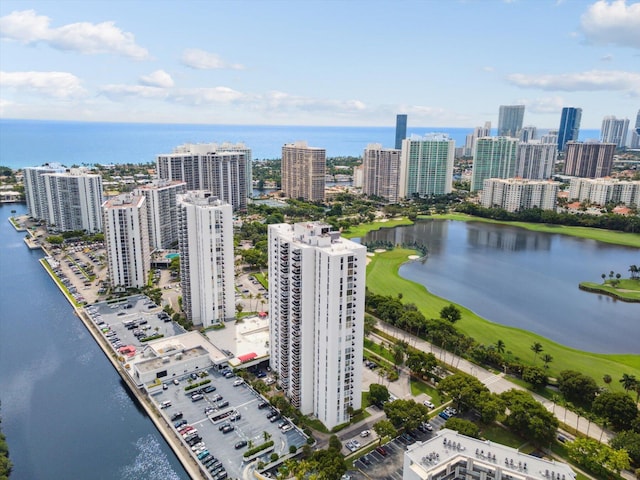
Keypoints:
pixel 445 63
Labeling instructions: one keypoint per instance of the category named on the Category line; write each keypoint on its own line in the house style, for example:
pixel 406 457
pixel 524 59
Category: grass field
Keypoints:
pixel 627 289
pixel 383 279
pixel 364 228
pixel 601 235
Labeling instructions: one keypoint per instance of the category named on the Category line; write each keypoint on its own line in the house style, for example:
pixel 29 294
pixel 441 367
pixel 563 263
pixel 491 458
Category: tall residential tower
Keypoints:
pixel 162 211
pixel 381 172
pixel 303 170
pixel 316 305
pixel 401 130
pixel 510 120
pixel 614 130
pixel 569 126
pixel 427 165
pixel 494 157
pixel 590 159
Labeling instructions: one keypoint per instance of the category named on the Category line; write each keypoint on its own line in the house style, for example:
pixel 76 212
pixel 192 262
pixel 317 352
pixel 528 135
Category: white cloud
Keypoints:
pixel 159 78
pixel 606 58
pixel 52 84
pixel 544 104
pixel 287 102
pixel 615 23
pixel 593 80
pixel 117 91
pixel 488 69
pixel 205 96
pixel 202 60
pixel 88 38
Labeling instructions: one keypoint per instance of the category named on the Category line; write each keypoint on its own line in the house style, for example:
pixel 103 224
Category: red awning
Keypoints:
pixel 247 356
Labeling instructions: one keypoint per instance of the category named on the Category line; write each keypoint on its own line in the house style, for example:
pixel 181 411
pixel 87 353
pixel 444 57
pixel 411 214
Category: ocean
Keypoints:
pixel 28 143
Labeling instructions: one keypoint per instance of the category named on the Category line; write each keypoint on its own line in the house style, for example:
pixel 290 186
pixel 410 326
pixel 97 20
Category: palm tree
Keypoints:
pixel 536 348
pixel 500 346
pixel 547 359
pixel 604 276
pixel 634 271
pixel 611 274
pixel 628 382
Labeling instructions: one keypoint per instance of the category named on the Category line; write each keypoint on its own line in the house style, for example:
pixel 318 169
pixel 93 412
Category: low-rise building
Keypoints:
pixel 605 190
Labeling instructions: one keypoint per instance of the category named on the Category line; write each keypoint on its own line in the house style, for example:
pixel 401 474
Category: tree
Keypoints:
pixel 335 443
pixel 630 441
pixel 604 276
pixel 577 387
pixel 597 457
pixel 617 407
pixel 529 418
pixel 606 378
pixel 628 382
pixel 465 427
pixel 536 348
pixel 384 428
pixel 500 346
pixel 536 376
pixel 450 313
pixel 399 350
pixel 406 414
pixel 490 406
pixel 547 359
pixel 378 394
pixel 369 324
pixel 462 388
pixel 421 363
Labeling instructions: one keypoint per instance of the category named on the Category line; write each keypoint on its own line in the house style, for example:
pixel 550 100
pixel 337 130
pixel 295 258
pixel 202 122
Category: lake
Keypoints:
pixel 525 279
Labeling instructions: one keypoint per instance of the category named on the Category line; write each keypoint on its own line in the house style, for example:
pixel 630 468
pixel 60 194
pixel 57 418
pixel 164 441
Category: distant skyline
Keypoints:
pixel 325 63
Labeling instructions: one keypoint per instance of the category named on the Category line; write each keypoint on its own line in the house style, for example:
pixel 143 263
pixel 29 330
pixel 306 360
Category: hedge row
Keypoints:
pixel 259 448
pixel 196 385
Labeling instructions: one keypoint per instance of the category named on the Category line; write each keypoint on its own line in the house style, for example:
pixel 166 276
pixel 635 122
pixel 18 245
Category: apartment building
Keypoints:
pixel 303 171
pixel 381 172
pixel 514 194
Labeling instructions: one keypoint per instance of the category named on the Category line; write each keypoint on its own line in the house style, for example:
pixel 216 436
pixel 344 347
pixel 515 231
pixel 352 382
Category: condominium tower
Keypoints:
pixel 528 133
pixel 316 305
pixel 569 126
pixel 535 160
pixel 224 170
pixel 513 194
pixel 381 172
pixel 303 171
pixel 635 133
pixel 205 241
pixel 605 190
pixel 510 120
pixel 590 159
pixel 426 166
pixel 614 130
pixel 470 140
pixel 401 130
pixel 494 157
pixel 126 240
pixel 34 189
pixel 162 211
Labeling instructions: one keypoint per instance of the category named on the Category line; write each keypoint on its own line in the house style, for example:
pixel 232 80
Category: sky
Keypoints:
pixel 445 63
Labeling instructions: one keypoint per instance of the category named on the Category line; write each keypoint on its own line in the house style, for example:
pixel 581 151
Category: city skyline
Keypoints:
pixel 99 61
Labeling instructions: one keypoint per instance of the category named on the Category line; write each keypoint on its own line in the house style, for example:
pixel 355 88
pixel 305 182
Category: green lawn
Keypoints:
pixel 599 234
pixel 620 291
pixel 418 387
pixel 383 279
pixel 364 228
pixel 496 433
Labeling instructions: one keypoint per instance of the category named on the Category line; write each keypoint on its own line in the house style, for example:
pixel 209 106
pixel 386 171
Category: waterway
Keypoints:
pixel 65 411
pixel 525 279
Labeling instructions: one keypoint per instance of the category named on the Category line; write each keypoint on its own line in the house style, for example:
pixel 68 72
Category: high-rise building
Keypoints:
pixel 535 160
pixel 528 133
pixel 74 200
pixel 316 305
pixel 494 157
pixel 401 130
pixel 614 130
pixel 478 132
pixel 551 136
pixel 510 120
pixel 381 172
pixel 449 455
pixel 426 166
pixel 569 126
pixel 303 171
pixel 162 211
pixel 126 240
pixel 34 189
pixel 513 194
pixel 590 159
pixel 605 190
pixel 635 133
pixel 205 241
pixel 224 170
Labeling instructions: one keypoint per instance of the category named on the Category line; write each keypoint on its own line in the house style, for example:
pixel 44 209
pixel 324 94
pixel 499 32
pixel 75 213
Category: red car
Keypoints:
pixel 382 451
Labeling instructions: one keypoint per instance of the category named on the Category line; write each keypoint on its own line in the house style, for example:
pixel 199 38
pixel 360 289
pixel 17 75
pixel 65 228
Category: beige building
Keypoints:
pixel 604 190
pixel 303 171
pixel 514 194
pixel 381 172
pixel 590 160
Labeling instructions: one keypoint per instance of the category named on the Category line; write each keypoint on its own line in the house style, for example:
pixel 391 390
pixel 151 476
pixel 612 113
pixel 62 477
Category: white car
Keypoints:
pixel 427 403
pixel 365 433
pixel 287 427
pixel 238 382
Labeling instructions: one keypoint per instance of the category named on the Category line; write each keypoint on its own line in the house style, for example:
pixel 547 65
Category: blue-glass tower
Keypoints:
pixel 401 130
pixel 569 126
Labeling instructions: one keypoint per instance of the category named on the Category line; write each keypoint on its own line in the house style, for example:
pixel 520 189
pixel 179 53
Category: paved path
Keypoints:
pixel 496 383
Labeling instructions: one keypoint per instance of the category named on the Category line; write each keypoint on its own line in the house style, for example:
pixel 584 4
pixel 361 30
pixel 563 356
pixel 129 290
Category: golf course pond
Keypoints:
pixel 525 279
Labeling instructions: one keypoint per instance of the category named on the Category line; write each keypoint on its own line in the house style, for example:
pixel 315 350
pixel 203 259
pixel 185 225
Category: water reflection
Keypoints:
pixel 512 240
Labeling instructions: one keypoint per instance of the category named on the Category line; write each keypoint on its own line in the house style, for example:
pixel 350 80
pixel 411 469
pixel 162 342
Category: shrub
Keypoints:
pixel 257 449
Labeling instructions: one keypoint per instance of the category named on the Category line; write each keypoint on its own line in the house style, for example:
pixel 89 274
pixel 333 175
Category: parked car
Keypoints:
pixel 240 444
pixel 427 403
pixel 365 433
pixel 382 451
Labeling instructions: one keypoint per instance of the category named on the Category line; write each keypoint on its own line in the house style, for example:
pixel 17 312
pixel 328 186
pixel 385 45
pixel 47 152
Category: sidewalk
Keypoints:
pixel 496 383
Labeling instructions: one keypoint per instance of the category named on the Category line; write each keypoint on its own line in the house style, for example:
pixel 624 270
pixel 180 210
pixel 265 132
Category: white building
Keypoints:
pixel 303 171
pixel 514 194
pixel 470 140
pixel 74 200
pixel 535 160
pixel 224 170
pixel 494 157
pixel 448 455
pixel 550 137
pixel 426 166
pixel 605 190
pixel 162 212
pixel 614 130
pixel 381 172
pixel 316 304
pixel 34 189
pixel 205 241
pixel 126 240
pixel 528 133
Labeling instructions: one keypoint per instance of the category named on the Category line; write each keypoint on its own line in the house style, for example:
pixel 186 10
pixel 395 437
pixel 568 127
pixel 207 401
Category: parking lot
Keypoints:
pixel 252 426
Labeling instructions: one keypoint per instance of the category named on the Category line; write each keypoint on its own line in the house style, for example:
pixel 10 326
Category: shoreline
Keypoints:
pixel 601 291
pixel 185 458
